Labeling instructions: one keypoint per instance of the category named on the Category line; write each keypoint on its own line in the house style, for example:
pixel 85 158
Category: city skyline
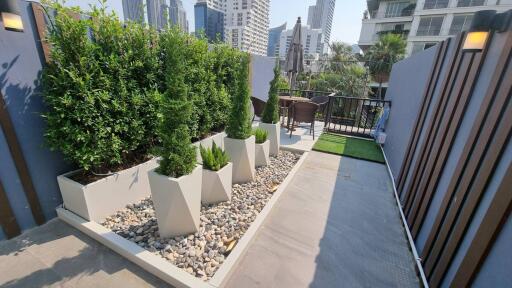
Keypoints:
pixel 346 23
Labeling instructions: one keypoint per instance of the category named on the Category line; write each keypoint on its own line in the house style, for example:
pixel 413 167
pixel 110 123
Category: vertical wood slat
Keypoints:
pixel 445 142
pixel 20 163
pixel 40 20
pixel 7 218
pixel 489 102
pixel 439 108
pixel 489 229
pixel 438 136
pixel 470 196
pixel 430 88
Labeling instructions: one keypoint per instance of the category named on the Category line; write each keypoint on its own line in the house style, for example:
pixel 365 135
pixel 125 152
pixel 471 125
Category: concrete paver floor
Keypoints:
pixel 336 225
pixel 57 255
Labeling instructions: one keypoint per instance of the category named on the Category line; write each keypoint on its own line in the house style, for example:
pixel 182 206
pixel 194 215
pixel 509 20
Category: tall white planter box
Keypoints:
pixel 100 199
pixel 274 135
pixel 262 154
pixel 217 185
pixel 177 202
pixel 241 153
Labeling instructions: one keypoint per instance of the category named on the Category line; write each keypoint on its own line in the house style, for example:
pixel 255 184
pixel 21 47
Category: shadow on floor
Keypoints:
pixel 364 243
pixel 55 254
pixel 336 225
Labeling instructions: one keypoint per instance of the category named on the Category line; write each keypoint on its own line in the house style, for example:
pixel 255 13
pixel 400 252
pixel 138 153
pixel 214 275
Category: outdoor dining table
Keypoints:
pixel 288 100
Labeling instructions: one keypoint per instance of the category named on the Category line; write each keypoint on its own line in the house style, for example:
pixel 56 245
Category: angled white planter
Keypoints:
pixel 262 153
pixel 217 185
pixel 274 135
pixel 208 142
pixel 241 153
pixel 177 202
pixel 100 199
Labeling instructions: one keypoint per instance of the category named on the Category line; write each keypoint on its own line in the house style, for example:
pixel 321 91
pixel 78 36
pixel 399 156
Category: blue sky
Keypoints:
pixel 347 15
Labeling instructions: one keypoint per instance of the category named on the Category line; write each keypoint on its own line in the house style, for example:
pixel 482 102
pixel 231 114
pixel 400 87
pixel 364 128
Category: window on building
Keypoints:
pixel 430 26
pixel 398 9
pixel 435 4
pixel 420 46
pixel 469 3
pixel 460 23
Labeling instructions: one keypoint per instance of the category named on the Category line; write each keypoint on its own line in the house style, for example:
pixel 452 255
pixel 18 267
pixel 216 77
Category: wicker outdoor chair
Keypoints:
pixel 259 106
pixel 303 112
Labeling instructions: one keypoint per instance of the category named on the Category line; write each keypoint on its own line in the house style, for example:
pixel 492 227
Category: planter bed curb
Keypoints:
pixel 159 266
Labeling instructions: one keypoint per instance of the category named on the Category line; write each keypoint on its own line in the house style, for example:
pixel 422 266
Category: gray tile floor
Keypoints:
pixel 57 255
pixel 336 225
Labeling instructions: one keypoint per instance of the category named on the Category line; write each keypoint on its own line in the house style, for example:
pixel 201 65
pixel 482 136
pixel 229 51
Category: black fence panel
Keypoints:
pixel 353 116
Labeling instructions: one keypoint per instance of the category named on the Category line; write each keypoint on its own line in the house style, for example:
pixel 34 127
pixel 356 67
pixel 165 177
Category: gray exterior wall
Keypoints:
pixel 406 89
pixel 262 72
pixel 20 75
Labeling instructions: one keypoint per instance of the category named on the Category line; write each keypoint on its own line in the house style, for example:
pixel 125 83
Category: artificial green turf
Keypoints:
pixel 349 146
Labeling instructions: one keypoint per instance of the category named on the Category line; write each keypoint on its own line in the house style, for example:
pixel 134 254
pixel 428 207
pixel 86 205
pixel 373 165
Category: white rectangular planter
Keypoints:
pixel 217 185
pixel 100 199
pixel 262 154
pixel 208 142
pixel 177 202
pixel 162 268
pixel 274 136
pixel 242 155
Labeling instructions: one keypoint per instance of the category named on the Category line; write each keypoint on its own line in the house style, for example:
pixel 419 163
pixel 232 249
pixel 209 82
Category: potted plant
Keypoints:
pixel 217 175
pixel 270 118
pixel 262 147
pixel 176 183
pixel 239 143
pixel 100 114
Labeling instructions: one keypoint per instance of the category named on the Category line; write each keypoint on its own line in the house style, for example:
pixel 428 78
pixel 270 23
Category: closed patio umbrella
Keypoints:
pixel 295 55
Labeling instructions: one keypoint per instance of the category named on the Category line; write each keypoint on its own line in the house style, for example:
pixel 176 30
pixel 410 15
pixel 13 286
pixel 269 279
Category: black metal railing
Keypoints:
pixel 353 116
pixel 302 93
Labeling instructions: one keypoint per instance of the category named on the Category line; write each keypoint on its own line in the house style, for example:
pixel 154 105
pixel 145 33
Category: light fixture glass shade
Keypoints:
pixel 475 41
pixel 12 22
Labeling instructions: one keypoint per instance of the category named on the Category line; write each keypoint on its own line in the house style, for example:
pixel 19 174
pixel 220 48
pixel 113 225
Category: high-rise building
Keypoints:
pixel 247 23
pixel 312 41
pixel 178 15
pixel 320 16
pixel 158 13
pixel 209 21
pixel 423 23
pixel 274 37
pixel 133 10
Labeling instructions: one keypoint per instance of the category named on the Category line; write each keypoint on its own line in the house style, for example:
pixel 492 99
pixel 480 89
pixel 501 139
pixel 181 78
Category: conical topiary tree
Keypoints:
pixel 239 124
pixel 271 111
pixel 178 155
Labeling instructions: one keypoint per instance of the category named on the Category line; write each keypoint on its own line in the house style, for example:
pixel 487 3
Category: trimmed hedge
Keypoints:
pixel 112 90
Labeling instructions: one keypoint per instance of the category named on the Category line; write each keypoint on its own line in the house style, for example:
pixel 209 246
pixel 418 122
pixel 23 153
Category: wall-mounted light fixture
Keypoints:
pixel 11 16
pixel 483 23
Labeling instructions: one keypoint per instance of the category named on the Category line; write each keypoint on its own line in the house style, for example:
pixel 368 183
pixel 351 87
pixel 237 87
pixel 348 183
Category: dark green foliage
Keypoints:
pixel 99 114
pixel 239 123
pixel 271 111
pixel 260 134
pixel 214 159
pixel 178 155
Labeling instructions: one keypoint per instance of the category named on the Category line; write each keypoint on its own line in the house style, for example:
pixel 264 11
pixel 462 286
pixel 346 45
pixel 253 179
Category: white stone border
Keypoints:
pixel 162 268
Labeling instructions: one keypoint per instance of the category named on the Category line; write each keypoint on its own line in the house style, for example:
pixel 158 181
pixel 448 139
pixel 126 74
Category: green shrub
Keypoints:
pixel 98 117
pixel 214 158
pixel 239 123
pixel 178 155
pixel 260 134
pixel 271 111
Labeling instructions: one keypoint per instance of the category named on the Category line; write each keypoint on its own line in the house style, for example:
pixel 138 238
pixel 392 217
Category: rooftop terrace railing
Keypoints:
pixel 353 116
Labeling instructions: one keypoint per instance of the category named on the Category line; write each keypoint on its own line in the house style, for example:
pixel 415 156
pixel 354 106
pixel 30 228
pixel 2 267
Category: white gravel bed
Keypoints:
pixel 202 253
